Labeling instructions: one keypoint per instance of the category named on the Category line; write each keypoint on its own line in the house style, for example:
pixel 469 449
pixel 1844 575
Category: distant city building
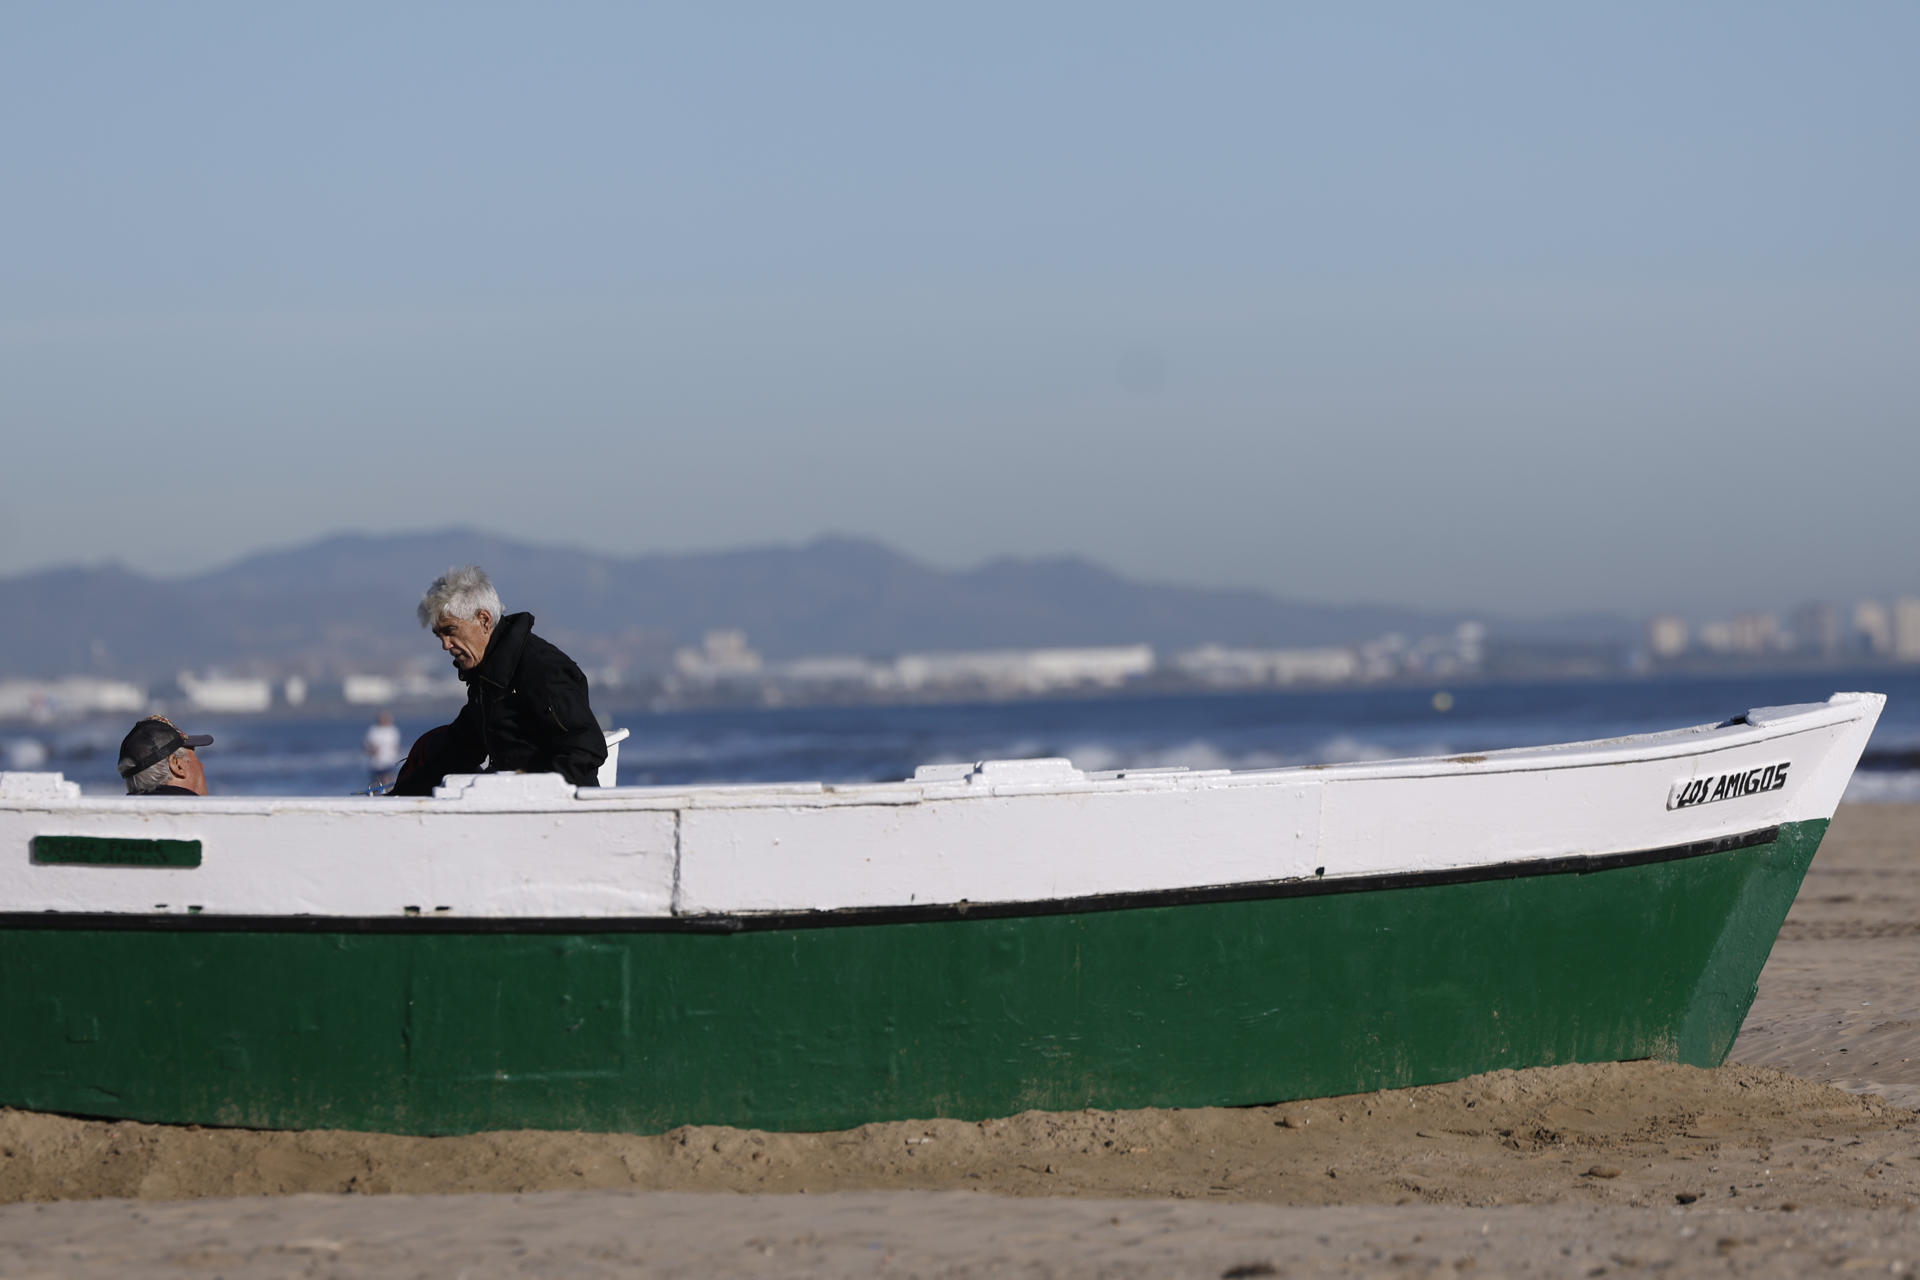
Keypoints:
pixel 1384 658
pixel 1460 652
pixel 1749 635
pixel 1906 630
pixel 1020 670
pixel 67 697
pixel 828 669
pixel 1667 636
pixel 722 656
pixel 1447 655
pixel 725 658
pixel 1756 633
pixel 1213 664
pixel 234 694
pixel 1470 643
pixel 363 690
pixel 1816 630
pixel 1874 628
pixel 366 690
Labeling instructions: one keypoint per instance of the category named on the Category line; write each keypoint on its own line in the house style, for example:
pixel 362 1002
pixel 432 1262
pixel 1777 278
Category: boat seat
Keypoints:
pixel 610 767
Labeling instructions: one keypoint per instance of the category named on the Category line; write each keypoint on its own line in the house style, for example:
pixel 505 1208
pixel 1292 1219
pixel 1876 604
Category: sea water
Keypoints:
pixel 289 755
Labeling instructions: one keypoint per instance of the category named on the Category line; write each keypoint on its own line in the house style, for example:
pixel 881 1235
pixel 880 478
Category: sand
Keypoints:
pixel 1801 1154
pixel 1839 999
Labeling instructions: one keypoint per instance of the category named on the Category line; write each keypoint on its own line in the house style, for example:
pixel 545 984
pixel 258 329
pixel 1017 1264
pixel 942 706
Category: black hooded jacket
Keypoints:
pixel 526 710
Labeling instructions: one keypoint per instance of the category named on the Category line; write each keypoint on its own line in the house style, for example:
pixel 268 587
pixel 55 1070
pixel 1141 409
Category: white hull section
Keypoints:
pixel 529 846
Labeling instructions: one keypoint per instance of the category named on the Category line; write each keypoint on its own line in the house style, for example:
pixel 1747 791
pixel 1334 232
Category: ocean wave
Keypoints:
pixel 1346 749
pixel 286 762
pixel 1884 786
pixel 23 753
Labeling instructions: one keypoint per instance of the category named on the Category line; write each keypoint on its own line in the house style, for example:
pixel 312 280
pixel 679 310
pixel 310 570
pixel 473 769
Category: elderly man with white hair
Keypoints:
pixel 527 707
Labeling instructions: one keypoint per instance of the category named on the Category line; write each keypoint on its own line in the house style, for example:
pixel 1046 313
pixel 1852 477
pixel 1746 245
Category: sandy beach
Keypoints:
pixel 1803 1153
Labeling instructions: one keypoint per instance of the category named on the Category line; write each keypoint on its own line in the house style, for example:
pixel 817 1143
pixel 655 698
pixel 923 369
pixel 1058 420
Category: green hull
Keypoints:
pixel 428 1027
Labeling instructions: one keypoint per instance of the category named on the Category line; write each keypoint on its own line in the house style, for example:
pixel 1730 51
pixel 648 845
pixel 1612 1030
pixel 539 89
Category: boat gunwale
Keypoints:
pixel 1696 741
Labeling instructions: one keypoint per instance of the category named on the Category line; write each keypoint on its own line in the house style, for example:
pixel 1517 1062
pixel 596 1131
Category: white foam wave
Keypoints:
pixel 1882 786
pixel 1195 754
pixel 1204 753
pixel 25 754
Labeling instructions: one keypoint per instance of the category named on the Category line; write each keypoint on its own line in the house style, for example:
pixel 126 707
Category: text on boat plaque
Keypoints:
pixel 1727 786
pixel 115 851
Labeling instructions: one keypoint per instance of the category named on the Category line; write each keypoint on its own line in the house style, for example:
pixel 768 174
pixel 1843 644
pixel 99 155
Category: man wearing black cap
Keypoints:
pixel 157 759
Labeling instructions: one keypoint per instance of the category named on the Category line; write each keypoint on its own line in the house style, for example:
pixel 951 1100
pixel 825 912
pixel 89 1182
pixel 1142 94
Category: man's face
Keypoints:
pixel 465 638
pixel 188 772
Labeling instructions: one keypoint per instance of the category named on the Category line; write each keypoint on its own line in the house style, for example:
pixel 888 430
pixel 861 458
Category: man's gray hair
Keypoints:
pixel 153 777
pixel 459 593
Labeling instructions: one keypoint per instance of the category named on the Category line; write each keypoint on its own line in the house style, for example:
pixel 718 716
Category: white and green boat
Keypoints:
pixel 975 941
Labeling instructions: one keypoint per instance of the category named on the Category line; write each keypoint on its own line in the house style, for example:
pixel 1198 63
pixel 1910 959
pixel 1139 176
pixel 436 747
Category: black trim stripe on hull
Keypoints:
pixel 848 916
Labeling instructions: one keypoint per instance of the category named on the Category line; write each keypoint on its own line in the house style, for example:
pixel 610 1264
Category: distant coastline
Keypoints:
pixel 328 628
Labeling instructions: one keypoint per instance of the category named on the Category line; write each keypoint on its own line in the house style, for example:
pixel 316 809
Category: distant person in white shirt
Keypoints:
pixel 382 746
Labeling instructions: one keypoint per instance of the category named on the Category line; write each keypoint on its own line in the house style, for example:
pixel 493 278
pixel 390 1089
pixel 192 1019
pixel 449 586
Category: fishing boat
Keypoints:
pixel 978 940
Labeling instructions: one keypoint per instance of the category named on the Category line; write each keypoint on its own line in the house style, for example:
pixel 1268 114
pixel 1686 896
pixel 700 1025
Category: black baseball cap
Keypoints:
pixel 153 740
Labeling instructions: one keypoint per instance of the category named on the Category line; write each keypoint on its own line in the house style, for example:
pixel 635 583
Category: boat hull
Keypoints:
pixel 1251 993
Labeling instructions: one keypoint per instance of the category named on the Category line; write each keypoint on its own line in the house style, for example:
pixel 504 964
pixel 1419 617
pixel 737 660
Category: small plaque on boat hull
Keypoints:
pixel 114 851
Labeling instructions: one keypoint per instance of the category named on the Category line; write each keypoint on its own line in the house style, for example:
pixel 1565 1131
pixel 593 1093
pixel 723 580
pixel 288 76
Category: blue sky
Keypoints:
pixel 1526 307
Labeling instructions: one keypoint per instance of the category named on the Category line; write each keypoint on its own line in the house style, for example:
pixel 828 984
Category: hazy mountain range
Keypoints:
pixel 347 602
